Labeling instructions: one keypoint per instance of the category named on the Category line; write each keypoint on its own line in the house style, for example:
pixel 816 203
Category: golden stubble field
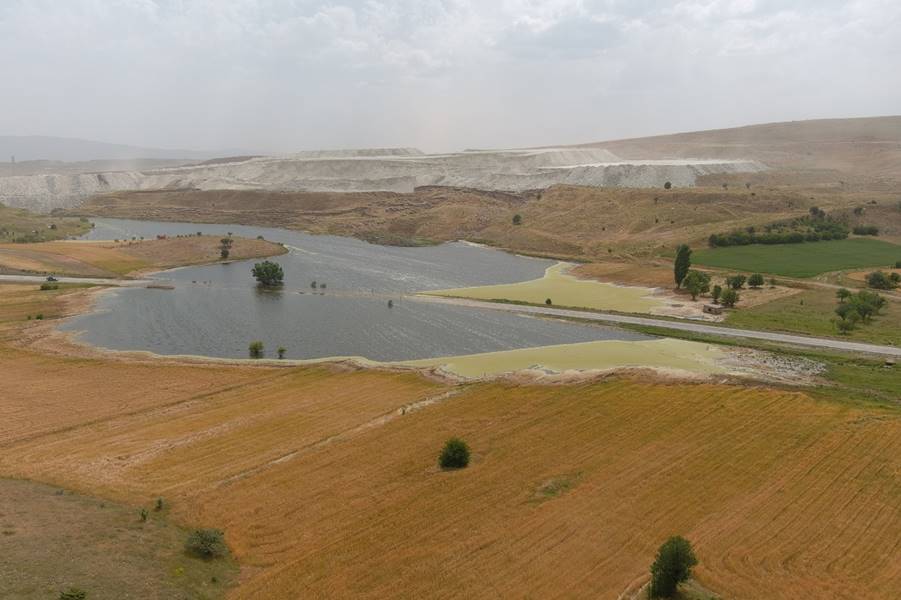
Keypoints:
pixel 325 478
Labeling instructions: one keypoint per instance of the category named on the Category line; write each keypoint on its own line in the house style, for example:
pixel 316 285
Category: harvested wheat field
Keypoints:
pixel 326 485
pixel 119 258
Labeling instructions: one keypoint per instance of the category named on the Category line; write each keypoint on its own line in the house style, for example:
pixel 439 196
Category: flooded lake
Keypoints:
pixel 217 310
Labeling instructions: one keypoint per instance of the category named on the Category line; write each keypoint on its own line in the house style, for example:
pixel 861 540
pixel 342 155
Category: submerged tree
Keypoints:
pixel 268 273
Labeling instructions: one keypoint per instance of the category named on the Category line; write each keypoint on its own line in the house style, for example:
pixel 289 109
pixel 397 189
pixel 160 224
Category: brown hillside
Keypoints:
pixel 868 147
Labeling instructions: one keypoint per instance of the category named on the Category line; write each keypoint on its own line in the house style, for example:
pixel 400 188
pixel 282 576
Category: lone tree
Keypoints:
pixel 206 543
pixel 736 282
pixel 755 280
pixel 716 293
pixel 281 351
pixel 843 294
pixel 696 283
pixel 673 564
pixel 517 219
pixel 255 349
pixel 682 264
pixel 225 246
pixel 729 297
pixel 454 455
pixel 667 185
pixel 268 273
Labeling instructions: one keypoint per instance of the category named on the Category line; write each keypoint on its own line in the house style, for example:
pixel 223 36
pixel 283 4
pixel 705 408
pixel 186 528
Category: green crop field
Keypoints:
pixel 802 260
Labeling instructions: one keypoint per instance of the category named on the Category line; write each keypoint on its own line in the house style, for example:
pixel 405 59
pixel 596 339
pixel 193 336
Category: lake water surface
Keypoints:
pixel 216 310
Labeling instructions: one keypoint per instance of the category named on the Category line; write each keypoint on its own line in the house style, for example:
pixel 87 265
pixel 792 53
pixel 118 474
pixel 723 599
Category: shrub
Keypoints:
pixel 159 505
pixel 866 230
pixel 716 293
pixel 672 566
pixel 729 298
pixel 755 280
pixel 255 349
pixel 49 286
pixel 268 273
pixel 206 543
pixel 39 316
pixel 454 455
pixel 281 351
pixel 736 282
pixel 548 301
pixel 73 593
pixel 878 280
pixel 843 294
pixel 667 185
pixel 517 219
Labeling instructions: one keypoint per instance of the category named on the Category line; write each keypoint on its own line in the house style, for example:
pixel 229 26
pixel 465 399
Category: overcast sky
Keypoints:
pixel 282 75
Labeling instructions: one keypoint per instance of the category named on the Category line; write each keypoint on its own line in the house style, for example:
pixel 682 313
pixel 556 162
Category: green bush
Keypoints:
pixel 73 593
pixel 255 349
pixel 673 565
pixel 880 281
pixel 454 455
pixel 206 543
pixel 517 219
pixel 755 280
pixel 281 351
pixel 49 286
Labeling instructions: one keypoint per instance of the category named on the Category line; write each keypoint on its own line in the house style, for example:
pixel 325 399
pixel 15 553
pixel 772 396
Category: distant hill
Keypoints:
pixel 869 147
pixel 38 147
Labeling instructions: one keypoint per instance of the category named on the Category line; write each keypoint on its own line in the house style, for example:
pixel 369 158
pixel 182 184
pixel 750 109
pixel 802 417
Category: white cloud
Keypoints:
pixel 291 74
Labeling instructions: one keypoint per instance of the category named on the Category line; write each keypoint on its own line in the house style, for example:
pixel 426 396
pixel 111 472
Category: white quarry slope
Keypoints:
pixel 398 170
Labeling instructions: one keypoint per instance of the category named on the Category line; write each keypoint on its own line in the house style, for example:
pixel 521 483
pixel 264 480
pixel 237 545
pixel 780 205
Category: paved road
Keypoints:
pixel 92 280
pixel 678 325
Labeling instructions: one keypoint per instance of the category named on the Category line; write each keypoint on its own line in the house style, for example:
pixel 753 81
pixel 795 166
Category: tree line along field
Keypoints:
pixel 801 260
pixel 325 479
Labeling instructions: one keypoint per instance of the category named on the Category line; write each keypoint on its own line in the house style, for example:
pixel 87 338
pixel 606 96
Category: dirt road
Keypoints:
pixel 677 325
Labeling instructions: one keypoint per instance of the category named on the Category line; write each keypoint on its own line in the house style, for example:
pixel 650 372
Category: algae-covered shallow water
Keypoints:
pixel 563 289
pixel 217 310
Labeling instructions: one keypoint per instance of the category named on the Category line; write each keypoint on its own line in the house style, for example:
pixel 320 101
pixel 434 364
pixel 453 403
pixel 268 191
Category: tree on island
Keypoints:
pixel 225 245
pixel 682 264
pixel 268 273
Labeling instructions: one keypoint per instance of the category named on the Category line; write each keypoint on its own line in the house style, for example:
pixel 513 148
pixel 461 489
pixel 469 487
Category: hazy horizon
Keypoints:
pixel 270 76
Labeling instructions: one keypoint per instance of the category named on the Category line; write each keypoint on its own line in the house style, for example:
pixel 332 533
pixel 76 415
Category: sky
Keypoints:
pixel 289 75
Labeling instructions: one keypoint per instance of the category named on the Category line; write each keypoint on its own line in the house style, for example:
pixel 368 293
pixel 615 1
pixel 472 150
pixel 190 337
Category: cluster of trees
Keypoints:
pixel 698 282
pixel 856 308
pixel 814 228
pixel 880 280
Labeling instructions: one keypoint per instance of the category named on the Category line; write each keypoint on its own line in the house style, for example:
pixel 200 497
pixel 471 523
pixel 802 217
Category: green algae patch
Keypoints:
pixel 564 289
pixel 667 354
